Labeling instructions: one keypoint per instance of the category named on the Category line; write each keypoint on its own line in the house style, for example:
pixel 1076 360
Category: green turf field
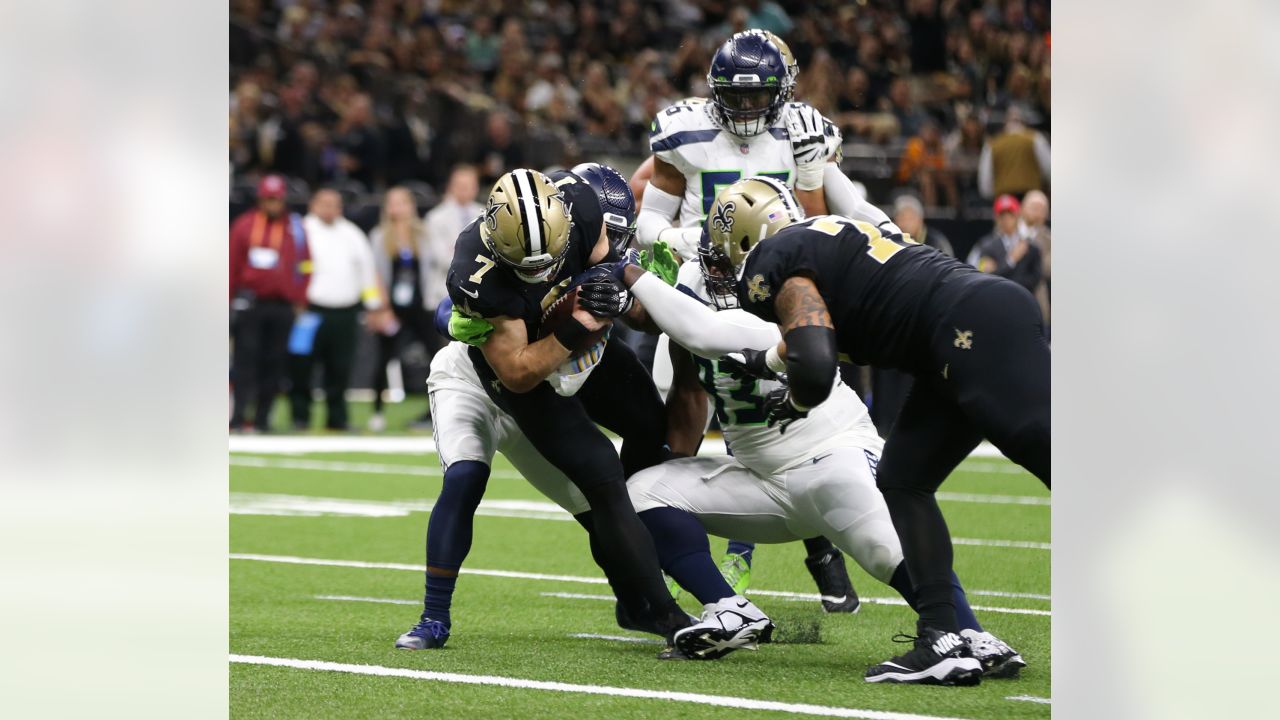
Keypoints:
pixel 361 520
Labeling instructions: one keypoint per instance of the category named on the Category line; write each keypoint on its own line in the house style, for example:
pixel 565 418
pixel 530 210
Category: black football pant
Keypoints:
pixel 335 349
pixel 415 322
pixel 987 376
pixel 620 395
pixel 258 362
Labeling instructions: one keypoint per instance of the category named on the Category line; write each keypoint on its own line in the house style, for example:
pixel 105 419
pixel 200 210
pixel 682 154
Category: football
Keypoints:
pixel 561 311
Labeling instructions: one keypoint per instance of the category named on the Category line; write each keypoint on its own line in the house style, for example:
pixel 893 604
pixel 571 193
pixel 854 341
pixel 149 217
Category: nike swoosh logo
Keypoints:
pixel 471 294
pixel 821 458
pixel 744 603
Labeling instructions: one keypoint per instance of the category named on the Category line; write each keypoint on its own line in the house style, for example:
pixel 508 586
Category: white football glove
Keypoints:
pixel 814 141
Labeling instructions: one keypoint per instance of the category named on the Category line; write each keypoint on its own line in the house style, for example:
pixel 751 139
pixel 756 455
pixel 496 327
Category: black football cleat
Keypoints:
pixel 938 658
pixel 832 578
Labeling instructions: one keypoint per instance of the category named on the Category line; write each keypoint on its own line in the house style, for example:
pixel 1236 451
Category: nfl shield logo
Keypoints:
pixel 744 148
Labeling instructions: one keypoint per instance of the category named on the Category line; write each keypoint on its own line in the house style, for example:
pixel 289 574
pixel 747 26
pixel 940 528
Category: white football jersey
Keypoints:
pixel 840 421
pixel 711 158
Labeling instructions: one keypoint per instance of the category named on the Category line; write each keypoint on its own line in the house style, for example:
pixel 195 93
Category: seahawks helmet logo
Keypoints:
pixel 722 221
pixel 491 215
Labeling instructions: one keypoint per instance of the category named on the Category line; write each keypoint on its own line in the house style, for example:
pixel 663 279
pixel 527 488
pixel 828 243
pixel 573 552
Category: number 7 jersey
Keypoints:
pixel 711 158
pixel 883 292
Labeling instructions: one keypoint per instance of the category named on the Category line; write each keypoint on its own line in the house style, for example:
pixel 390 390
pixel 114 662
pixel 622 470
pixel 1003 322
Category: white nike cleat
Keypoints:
pixel 997 658
pixel 733 623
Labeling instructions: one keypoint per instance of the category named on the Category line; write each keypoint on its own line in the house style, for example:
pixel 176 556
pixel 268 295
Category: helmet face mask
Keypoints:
pixel 527 225
pixel 743 215
pixel 747 79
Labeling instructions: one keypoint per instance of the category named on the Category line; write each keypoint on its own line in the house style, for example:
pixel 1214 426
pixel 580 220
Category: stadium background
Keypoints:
pixel 362 96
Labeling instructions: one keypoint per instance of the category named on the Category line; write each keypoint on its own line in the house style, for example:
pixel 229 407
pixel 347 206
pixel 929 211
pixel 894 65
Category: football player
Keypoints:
pixel 974 342
pixel 538 233
pixel 749 127
pixel 814 477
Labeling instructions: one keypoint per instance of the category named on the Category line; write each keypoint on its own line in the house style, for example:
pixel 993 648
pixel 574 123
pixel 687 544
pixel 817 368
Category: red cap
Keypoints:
pixel 271 186
pixel 1007 203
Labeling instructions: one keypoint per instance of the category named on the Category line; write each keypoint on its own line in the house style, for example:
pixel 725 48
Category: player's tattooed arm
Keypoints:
pixel 799 304
pixel 686 405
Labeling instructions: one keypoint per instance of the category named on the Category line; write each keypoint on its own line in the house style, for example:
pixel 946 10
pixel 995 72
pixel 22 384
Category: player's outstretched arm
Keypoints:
pixel 686 405
pixel 843 199
pixel 702 330
pixel 519 364
pixel 662 198
pixel 809 341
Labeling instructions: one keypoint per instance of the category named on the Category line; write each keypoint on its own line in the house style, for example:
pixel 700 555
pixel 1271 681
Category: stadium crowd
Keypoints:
pixel 367 95
pixel 406 107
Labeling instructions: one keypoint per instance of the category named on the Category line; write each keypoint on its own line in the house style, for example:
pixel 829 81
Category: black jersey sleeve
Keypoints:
pixel 476 284
pixel 786 255
pixel 584 208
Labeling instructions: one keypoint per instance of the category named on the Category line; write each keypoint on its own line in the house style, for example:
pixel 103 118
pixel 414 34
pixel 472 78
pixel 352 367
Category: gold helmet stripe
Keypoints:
pixel 531 213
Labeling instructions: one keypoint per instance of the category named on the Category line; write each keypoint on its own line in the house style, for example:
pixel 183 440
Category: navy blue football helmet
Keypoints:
pixel 748 77
pixel 616 202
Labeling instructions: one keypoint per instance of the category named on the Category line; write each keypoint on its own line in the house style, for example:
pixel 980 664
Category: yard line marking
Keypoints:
pixel 1003 594
pixel 1031 698
pixel 993 499
pixel 421 444
pixel 354 598
pixel 618 638
pixel 521 683
pixel 311 506
pixel 290 560
pixel 813 597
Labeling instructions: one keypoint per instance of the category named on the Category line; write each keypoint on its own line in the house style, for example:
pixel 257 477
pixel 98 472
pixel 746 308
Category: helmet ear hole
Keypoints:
pixel 743 244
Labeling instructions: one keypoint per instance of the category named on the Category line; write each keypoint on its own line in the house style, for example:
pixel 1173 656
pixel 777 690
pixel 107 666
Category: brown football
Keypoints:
pixel 561 311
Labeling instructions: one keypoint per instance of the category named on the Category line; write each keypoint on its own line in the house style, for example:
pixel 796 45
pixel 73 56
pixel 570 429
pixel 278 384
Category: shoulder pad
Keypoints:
pixel 683 123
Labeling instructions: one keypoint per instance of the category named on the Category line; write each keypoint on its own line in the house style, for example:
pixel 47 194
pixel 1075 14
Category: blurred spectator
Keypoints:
pixel 443 224
pixel 924 166
pixel 360 142
pixel 269 271
pixel 401 252
pixel 964 150
pixel 1015 161
pixel 501 151
pixel 1034 225
pixel 908 215
pixel 342 278
pixel 1006 251
pixel 482 46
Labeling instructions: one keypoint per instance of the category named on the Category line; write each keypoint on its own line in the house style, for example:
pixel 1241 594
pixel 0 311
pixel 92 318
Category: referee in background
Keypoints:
pixel 343 280
pixel 269 277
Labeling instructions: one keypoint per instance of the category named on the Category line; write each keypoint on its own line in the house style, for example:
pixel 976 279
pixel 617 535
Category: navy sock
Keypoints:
pixel 817 545
pixel 685 554
pixel 449 533
pixel 901 581
pixel 739 547
pixel 964 613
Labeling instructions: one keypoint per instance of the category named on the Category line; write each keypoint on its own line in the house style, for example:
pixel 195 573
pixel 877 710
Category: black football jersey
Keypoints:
pixel 877 288
pixel 479 285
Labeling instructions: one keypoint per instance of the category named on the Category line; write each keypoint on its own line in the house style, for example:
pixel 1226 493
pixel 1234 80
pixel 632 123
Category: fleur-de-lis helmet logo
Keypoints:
pixel 722 221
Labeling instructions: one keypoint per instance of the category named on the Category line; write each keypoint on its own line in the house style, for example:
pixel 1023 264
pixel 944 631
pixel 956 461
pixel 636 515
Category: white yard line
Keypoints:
pixel 356 598
pixel 559 578
pixel 524 684
pixel 618 638
pixel 1031 698
pixel 414 444
pixel 312 506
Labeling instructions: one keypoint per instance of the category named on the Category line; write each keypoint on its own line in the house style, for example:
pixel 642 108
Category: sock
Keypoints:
pixel 964 613
pixel 629 551
pixel 817 545
pixel 745 549
pixel 449 533
pixel 901 581
pixel 685 554
pixel 926 543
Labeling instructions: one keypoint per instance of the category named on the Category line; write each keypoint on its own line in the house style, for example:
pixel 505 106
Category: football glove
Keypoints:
pixel 814 141
pixel 780 411
pixel 605 296
pixel 661 262
pixel 749 363
pixel 470 330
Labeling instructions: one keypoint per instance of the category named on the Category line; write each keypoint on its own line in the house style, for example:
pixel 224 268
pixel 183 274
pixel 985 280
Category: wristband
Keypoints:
pixel 774 361
pixel 810 177
pixel 570 333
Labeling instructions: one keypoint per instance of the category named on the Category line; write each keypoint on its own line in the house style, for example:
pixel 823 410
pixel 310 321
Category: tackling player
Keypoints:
pixel 974 342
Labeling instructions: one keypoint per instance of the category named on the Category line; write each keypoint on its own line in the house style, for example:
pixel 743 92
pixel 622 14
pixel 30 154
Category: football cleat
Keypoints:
pixel 733 623
pixel 997 658
pixel 832 578
pixel 736 571
pixel 938 658
pixel 428 634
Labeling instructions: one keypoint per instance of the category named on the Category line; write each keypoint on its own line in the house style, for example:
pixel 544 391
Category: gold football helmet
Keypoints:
pixel 793 67
pixel 744 214
pixel 526 225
